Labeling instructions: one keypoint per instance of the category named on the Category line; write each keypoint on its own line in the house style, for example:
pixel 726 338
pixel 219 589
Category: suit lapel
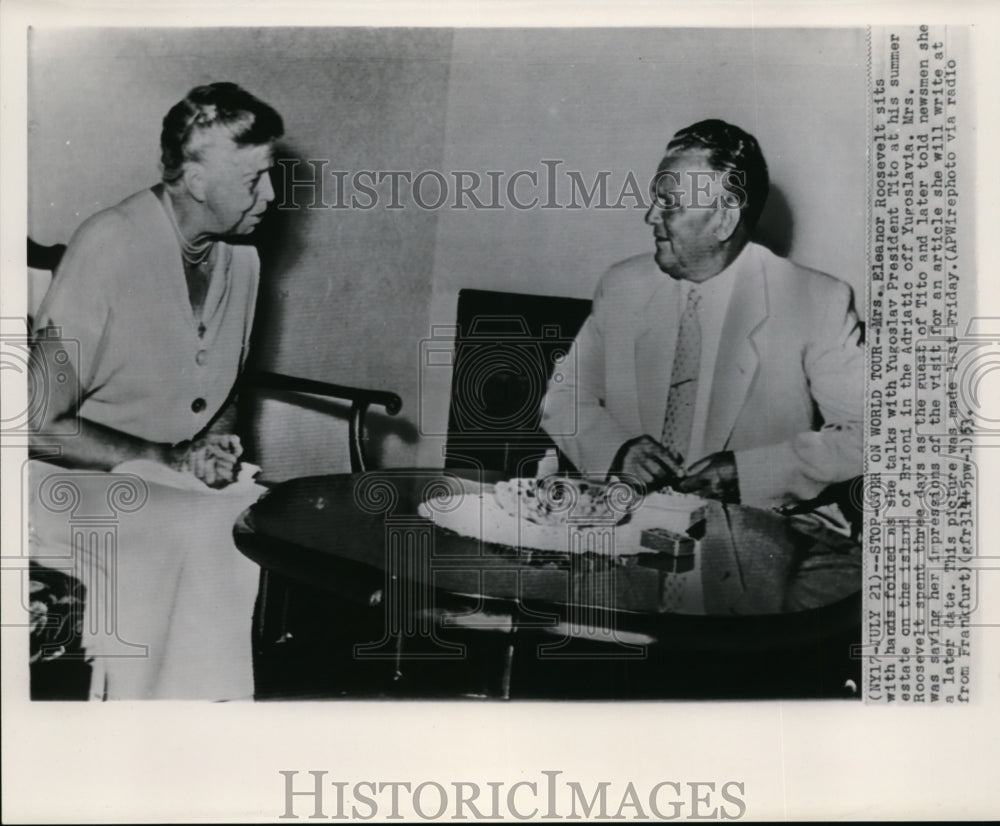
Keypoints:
pixel 654 354
pixel 738 358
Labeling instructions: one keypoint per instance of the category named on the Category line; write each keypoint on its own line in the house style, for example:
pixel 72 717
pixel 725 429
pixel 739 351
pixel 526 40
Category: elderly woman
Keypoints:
pixel 139 343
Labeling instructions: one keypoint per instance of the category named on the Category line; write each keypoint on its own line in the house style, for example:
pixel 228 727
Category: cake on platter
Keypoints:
pixel 570 515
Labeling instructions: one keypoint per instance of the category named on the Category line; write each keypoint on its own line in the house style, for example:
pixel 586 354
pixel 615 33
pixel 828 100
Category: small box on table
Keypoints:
pixel 675 552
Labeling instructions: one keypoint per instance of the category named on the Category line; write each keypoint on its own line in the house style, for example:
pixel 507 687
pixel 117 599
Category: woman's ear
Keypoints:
pixel 194 180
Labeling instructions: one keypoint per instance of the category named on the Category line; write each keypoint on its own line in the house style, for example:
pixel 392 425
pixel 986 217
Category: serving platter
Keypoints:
pixel 564 515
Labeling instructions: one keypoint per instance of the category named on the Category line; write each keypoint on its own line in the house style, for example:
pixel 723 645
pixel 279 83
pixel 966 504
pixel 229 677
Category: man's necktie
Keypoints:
pixel 684 380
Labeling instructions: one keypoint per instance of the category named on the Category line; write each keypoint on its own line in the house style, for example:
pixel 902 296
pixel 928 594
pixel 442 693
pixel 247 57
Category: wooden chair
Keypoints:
pixel 506 349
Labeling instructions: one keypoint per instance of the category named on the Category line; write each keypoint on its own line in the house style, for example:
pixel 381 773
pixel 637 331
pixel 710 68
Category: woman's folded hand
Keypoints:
pixel 213 458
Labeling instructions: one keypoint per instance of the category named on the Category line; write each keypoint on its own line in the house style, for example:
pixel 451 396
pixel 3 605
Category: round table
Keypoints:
pixel 359 538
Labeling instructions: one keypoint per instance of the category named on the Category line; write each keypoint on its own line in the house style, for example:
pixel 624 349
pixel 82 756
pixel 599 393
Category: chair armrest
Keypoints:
pixel 41 257
pixel 361 398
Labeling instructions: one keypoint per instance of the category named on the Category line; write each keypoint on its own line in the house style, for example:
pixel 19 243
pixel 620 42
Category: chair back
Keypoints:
pixel 42 264
pixel 506 347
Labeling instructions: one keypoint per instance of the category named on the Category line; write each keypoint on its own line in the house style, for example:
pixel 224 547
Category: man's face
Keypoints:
pixel 685 216
pixel 237 184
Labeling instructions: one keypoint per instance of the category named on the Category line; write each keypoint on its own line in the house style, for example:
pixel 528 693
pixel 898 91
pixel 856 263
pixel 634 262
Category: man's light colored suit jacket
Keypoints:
pixel 788 394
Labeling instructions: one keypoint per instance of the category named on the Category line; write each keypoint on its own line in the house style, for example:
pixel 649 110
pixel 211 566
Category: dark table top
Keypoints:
pixel 353 534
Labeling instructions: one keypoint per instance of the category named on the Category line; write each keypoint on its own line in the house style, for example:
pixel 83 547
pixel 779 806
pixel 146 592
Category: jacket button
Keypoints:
pixel 201 357
pixel 198 405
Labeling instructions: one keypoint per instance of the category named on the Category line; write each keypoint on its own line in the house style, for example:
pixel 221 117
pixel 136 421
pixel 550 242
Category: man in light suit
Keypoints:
pixel 714 366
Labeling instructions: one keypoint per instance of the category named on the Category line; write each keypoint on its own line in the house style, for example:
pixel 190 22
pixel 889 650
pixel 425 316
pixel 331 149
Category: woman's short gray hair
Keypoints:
pixel 247 120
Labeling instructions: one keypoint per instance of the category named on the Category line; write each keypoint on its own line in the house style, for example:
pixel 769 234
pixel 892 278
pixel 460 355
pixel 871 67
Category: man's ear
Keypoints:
pixel 194 180
pixel 726 223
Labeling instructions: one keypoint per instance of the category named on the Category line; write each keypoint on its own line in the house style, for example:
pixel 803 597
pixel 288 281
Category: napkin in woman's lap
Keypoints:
pixel 169 578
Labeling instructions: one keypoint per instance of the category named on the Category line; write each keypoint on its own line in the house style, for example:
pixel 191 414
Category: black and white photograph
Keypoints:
pixel 511 395
pixel 424 286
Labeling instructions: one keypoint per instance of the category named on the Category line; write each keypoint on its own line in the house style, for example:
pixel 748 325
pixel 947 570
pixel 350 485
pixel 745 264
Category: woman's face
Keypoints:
pixel 237 185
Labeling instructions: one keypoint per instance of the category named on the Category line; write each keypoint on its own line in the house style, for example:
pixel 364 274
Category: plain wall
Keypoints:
pixel 349 295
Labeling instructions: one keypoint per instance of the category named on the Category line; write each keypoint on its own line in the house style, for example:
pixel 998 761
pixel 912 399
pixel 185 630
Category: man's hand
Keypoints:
pixel 214 458
pixel 649 461
pixel 713 477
